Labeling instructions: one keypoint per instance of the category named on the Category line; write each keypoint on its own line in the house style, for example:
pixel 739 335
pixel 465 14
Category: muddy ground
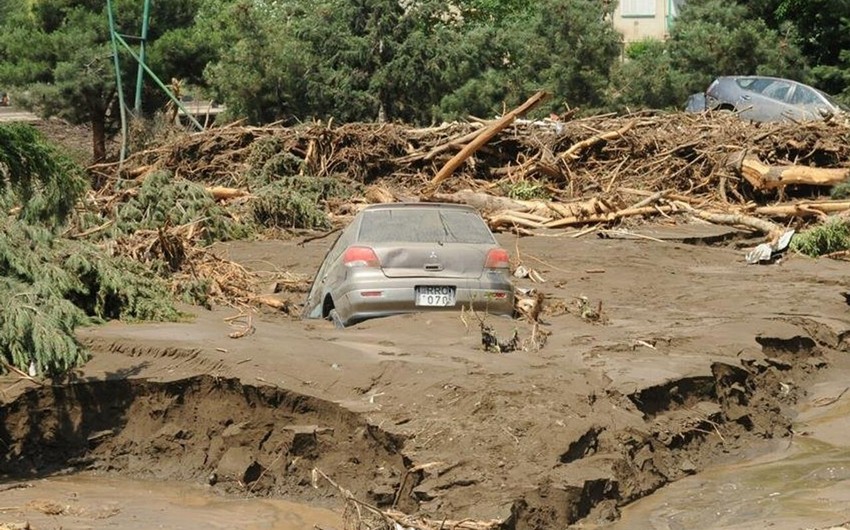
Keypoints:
pixel 697 359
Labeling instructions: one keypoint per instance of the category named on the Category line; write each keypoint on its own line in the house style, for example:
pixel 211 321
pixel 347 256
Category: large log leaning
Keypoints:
pixel 481 138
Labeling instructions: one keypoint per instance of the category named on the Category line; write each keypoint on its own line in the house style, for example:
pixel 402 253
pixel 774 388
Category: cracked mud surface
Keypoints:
pixel 701 359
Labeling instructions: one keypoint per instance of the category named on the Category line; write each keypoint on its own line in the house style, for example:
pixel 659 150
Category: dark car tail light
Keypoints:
pixel 498 258
pixel 360 257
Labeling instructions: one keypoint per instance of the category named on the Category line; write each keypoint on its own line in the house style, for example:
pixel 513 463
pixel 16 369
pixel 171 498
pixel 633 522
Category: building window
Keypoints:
pixel 637 8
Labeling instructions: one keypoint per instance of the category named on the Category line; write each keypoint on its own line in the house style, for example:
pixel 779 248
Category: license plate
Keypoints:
pixel 435 295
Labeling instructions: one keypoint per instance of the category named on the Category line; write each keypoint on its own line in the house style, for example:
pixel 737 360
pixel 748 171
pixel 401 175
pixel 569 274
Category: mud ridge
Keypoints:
pixel 240 438
pixel 185 356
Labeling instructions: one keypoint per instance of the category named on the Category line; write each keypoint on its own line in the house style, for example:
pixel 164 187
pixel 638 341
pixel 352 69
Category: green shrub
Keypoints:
pixel 50 285
pixel 831 236
pixel 164 201
pixel 34 176
pixel 525 190
pixel 278 205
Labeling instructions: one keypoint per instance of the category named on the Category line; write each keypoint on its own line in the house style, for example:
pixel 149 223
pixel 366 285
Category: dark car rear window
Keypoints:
pixel 423 225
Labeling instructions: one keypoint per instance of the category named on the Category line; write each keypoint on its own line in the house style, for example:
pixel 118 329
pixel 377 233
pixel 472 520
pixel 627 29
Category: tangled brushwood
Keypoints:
pixel 141 237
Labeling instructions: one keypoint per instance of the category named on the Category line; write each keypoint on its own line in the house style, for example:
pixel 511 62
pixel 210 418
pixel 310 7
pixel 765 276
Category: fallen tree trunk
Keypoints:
pixel 765 177
pixel 538 211
pixel 766 227
pixel 611 216
pixel 503 219
pixel 488 204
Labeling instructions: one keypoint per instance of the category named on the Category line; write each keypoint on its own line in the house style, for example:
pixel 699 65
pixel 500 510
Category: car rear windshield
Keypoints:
pixel 424 225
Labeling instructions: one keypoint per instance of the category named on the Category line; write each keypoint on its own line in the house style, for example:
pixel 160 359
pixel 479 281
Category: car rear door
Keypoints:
pixel 771 103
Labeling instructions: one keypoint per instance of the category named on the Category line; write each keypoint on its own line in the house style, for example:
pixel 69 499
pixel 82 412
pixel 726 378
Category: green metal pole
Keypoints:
pixel 119 83
pixel 142 55
pixel 159 83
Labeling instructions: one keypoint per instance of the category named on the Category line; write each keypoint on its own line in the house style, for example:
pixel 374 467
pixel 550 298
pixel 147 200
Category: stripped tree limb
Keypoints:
pixel 572 152
pixel 612 216
pixel 221 193
pixel 803 209
pixel 768 228
pixel 483 136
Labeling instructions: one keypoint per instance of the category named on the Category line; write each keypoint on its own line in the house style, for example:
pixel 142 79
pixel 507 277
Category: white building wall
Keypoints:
pixel 640 19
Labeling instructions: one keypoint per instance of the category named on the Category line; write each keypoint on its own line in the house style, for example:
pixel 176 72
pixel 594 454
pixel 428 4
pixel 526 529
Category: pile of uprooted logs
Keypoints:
pixel 551 173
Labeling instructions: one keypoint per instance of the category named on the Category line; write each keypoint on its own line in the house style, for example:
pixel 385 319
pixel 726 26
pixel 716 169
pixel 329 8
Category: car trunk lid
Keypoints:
pixel 427 260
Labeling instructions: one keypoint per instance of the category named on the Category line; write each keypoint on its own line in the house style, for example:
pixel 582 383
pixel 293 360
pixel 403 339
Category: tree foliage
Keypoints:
pixel 417 62
pixel 60 51
pixel 420 62
pixel 51 284
pixel 43 184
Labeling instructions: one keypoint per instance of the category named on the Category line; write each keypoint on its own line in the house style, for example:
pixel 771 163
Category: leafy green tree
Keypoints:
pixel 648 78
pixel 821 29
pixel 713 37
pixel 493 11
pixel 341 59
pixel 59 53
pixel 263 74
pixel 567 47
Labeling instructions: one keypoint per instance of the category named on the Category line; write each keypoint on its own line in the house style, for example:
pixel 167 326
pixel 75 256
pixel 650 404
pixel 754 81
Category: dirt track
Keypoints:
pixel 699 357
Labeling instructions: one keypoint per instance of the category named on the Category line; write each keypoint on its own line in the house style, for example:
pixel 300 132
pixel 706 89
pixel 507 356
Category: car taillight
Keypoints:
pixel 498 258
pixel 360 257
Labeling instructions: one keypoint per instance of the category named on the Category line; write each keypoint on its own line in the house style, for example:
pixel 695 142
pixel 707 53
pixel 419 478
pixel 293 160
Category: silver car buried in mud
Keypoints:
pixel 411 257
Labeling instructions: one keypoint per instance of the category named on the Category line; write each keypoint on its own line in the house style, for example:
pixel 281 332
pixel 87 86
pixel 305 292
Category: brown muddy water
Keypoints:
pixel 801 483
pixel 90 501
pixel 806 485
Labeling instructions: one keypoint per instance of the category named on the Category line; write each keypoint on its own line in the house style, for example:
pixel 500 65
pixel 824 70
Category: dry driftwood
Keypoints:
pixel 611 216
pixel 502 211
pixel 486 203
pixel 803 209
pixel 573 151
pixel 378 194
pixel 736 219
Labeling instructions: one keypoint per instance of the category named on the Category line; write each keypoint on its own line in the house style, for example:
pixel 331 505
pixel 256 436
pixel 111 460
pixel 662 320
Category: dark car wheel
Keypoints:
pixel 335 318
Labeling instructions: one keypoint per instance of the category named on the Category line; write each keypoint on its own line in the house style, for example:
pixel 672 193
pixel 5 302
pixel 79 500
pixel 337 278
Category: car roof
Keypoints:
pixel 425 205
pixel 755 76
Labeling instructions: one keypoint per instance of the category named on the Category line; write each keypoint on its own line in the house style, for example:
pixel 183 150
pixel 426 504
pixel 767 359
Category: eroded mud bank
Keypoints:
pixel 267 441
